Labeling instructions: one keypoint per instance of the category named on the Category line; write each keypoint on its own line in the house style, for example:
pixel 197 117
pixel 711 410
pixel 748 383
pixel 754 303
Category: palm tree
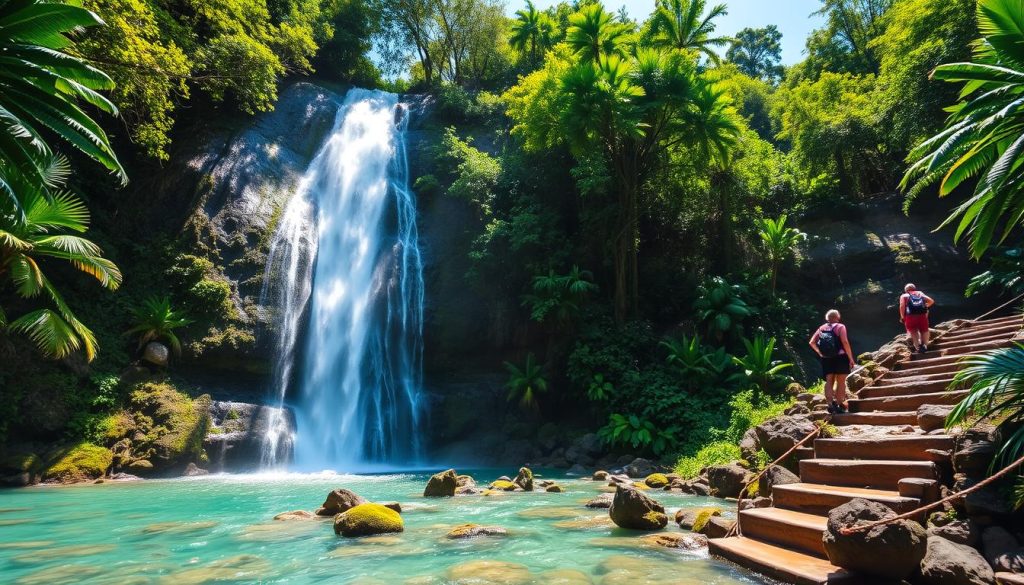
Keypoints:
pixel 531 29
pixel 156 320
pixel 779 242
pixel 526 382
pixel 682 24
pixel 984 135
pixel 594 32
pixel 41 88
pixel 996 381
pixel 27 240
pixel 561 294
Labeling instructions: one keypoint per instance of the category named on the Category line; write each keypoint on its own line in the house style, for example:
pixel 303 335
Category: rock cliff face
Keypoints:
pixel 858 261
pixel 235 440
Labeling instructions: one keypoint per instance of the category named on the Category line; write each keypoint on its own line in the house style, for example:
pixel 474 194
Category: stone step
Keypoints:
pixel 880 418
pixel 929 360
pixel 880 474
pixel 815 498
pixel 905 402
pixel 1016 318
pixel 776 562
pixel 788 528
pixel 913 377
pixel 961 350
pixel 885 447
pixel 904 388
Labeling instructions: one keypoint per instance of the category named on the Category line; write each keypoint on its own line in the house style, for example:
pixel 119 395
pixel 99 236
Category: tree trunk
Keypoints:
pixel 626 252
pixel 720 183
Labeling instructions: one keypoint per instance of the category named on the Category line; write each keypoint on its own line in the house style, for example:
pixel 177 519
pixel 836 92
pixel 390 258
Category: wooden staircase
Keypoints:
pixel 889 459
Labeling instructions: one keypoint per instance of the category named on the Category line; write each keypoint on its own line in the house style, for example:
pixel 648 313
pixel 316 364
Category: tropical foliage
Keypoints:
pixel 526 382
pixel 156 320
pixel 759 365
pixel 780 242
pixel 637 433
pixel 996 381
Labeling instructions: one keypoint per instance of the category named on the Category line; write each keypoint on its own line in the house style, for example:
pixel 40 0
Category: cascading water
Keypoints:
pixel 345 272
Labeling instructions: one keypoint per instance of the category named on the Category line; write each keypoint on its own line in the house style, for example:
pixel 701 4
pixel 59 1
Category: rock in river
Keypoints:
pixel 632 509
pixel 368 519
pixel 338 501
pixel 442 485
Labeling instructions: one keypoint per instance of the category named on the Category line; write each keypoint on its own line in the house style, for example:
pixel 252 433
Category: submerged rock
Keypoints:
pixel 634 510
pixel 471 530
pixel 553 488
pixel 442 485
pixel 601 501
pixel 485 572
pixel 296 515
pixel 368 519
pixel 676 540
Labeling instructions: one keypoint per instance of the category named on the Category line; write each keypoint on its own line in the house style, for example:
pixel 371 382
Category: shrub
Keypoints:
pixel 748 413
pixel 716 453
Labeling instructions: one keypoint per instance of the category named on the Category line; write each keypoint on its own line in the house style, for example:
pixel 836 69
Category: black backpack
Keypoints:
pixel 828 343
pixel 916 305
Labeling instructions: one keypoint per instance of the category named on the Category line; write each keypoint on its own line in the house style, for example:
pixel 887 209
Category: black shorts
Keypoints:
pixel 839 364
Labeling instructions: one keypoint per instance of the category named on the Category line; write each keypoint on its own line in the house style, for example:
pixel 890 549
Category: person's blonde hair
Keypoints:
pixel 910 286
pixel 832 316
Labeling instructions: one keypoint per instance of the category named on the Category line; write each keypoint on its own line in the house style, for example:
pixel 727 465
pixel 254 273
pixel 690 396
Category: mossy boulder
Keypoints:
pixel 634 510
pixel 554 489
pixel 471 530
pixel 524 479
pixel 442 485
pixel 656 480
pixel 82 462
pixel 503 485
pixel 687 518
pixel 161 426
pixel 368 519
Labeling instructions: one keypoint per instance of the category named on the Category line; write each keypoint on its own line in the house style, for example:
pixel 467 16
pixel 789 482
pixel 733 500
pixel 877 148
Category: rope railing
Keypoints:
pixel 757 478
pixel 848 530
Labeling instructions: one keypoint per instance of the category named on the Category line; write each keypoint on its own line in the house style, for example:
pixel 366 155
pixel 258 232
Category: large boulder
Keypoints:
pixel 957 531
pixel 687 518
pixel 442 485
pixel 1002 550
pixel 640 467
pixel 634 510
pixel 749 445
pixel 656 480
pixel 368 519
pixel 949 563
pixel 715 527
pixel 727 481
pixel 338 501
pixel 889 551
pixel 931 417
pixel 524 479
pixel 778 435
pixel 157 354
pixel 775 475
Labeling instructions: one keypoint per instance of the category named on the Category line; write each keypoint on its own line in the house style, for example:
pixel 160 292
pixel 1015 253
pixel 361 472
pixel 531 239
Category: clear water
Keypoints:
pixel 345 272
pixel 219 529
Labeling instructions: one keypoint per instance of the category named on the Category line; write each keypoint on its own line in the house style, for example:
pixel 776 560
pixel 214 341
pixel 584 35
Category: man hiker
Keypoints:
pixel 832 345
pixel 914 306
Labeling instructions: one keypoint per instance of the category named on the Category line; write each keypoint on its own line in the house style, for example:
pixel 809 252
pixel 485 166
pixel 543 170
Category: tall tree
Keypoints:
pixel 984 136
pixel 757 52
pixel 682 24
pixel 845 43
pixel 531 32
pixel 621 114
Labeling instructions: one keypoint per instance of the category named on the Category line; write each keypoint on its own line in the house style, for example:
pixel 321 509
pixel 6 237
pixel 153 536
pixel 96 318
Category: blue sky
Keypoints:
pixel 791 16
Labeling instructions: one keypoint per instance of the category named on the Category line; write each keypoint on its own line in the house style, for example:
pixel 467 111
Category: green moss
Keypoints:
pixel 367 519
pixel 503 485
pixel 656 480
pixel 703 516
pixel 828 430
pixel 81 462
pixel 161 424
pixel 233 415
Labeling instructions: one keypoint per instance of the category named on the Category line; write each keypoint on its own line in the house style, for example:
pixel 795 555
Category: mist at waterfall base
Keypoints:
pixel 345 276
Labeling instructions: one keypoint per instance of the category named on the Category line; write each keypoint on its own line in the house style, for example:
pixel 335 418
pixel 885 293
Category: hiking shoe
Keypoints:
pixel 833 408
pixel 924 348
pixel 841 409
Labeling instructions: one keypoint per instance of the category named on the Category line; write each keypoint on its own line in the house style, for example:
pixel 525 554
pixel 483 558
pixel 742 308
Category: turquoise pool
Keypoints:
pixel 219 529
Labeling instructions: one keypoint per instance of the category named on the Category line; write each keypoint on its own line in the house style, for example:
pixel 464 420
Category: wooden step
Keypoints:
pixel 880 418
pixel 788 528
pixel 912 377
pixel 886 447
pixel 901 388
pixel 1008 329
pixel 815 498
pixel 905 402
pixel 910 370
pixel 781 563
pixel 879 474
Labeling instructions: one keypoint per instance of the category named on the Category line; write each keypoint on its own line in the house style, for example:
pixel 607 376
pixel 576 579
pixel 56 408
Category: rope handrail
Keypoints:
pixel 848 530
pixel 757 478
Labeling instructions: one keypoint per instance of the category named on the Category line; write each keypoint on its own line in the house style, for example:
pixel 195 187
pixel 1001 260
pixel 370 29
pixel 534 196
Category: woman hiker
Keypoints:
pixel 914 306
pixel 832 345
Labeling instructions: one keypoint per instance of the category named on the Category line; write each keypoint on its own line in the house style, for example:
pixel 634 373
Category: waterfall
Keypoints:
pixel 345 274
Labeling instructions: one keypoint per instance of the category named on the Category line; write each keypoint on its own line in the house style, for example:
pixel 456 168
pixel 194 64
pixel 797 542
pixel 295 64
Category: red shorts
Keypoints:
pixel 917 323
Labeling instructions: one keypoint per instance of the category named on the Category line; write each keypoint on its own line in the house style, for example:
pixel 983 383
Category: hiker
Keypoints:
pixel 914 306
pixel 832 345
